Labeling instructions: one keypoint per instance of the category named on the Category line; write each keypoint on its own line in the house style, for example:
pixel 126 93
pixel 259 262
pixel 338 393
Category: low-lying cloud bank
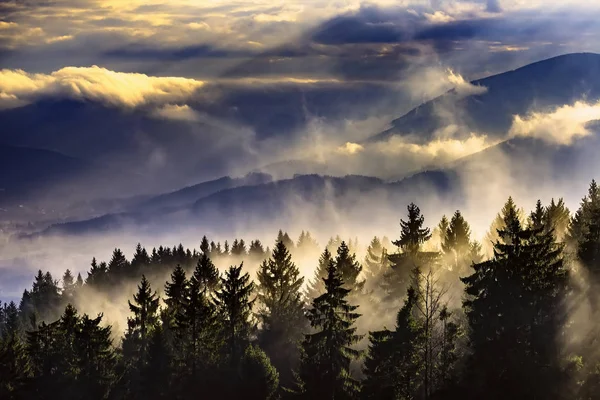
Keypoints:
pixel 96 84
pixel 562 125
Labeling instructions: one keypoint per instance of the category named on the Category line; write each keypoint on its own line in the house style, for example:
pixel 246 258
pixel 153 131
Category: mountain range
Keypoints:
pixel 43 154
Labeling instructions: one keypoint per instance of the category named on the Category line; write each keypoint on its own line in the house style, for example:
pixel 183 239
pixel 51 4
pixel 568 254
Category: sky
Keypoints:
pixel 100 49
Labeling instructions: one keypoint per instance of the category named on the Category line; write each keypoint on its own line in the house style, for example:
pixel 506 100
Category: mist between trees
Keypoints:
pixel 430 314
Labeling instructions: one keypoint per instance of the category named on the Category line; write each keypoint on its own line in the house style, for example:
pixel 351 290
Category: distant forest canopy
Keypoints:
pixel 431 314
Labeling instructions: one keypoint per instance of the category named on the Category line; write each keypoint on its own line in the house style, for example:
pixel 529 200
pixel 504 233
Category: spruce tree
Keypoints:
pixel 118 267
pixel 96 359
pixel 235 307
pixel 205 247
pixel 349 269
pixel 145 319
pixel 140 260
pixel 256 250
pixel 326 354
pixel 259 380
pixel 307 244
pixel 393 368
pixel 98 275
pixel 316 286
pixel 198 340
pixel 513 307
pixel 457 245
pixel 413 234
pixel 556 218
pixel 281 310
pixel 376 264
pixel 207 274
pixel 285 238
pixel 45 297
pixel 14 366
pixel 68 288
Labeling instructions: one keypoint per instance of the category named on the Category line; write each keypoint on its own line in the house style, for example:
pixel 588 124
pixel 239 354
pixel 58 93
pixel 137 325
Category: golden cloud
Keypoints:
pixel 561 126
pixel 97 84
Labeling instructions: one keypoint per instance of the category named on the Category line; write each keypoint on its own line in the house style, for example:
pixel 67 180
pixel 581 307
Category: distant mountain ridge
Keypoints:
pixel 544 84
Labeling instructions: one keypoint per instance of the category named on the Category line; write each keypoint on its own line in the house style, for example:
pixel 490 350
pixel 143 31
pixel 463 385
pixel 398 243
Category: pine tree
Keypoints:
pixel 285 238
pixel 68 287
pixel 97 275
pixel 207 274
pixel 256 250
pixel 238 248
pixel 45 297
pixel 205 247
pixel 394 365
pixel 144 320
pixel 235 306
pixel 457 245
pixel 157 373
pixel 349 269
pixel 376 264
pixel 327 353
pixel 413 234
pixel 536 217
pixel 513 306
pixel 118 267
pixel 176 292
pixel 316 287
pixel 14 367
pixel 198 333
pixel 492 235
pixel 307 244
pixel 140 260
pixel 412 237
pixel 281 311
pixel 259 380
pixel 96 360
pixel 441 231
pixel 556 218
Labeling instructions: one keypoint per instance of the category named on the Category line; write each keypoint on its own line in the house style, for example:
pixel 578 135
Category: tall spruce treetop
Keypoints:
pixel 457 245
pixel 279 287
pixel 441 231
pixel 327 353
pixel 514 302
pixel 373 259
pixel 307 243
pixel 140 259
pixel 536 218
pixel 413 234
pixel 281 309
pixel 145 317
pixel 286 239
pixel 207 274
pixel 235 305
pixel 349 268
pixel 557 217
pixel 256 249
pixel 118 265
pixel 316 286
pixel 205 246
pixel 176 291
pixel 393 368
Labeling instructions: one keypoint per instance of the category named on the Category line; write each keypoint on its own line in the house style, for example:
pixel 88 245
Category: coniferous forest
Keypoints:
pixel 429 314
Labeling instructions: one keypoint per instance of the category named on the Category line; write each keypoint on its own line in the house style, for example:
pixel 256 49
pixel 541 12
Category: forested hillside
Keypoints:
pixel 429 314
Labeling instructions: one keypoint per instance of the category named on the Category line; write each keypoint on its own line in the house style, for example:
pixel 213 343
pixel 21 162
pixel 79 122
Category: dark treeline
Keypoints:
pixel 517 323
